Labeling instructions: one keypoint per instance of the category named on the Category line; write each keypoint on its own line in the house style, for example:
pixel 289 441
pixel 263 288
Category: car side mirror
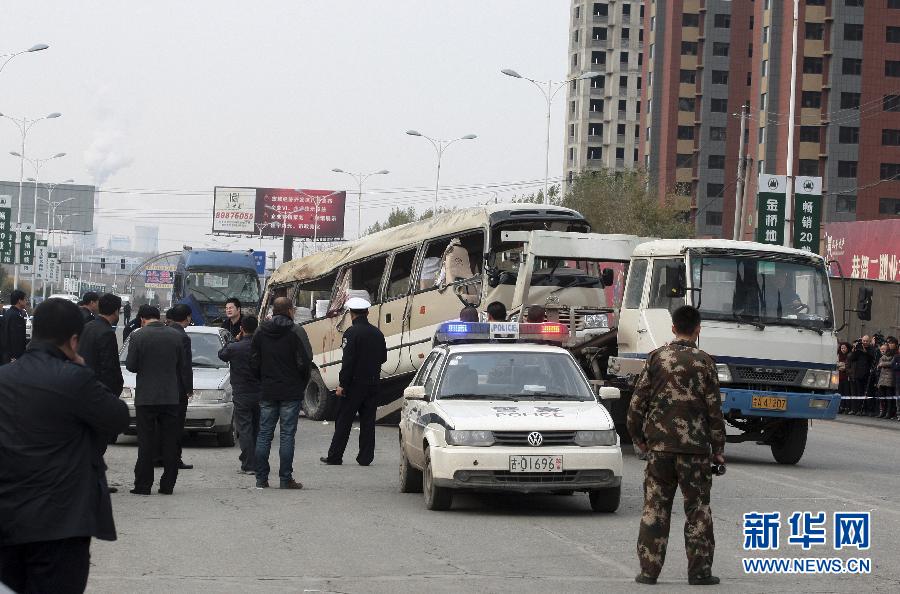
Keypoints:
pixel 414 393
pixel 608 393
pixel 864 303
pixel 607 277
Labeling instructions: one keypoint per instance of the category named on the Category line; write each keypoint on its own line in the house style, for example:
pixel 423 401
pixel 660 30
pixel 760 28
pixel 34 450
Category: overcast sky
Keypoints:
pixel 183 96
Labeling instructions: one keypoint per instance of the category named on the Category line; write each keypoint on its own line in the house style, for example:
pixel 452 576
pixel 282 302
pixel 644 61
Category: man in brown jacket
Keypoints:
pixel 675 418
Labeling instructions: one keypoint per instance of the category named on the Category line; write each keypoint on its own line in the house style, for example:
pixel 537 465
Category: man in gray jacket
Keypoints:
pixel 155 354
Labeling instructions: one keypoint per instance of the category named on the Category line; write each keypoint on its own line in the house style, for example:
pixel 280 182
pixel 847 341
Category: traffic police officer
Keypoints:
pixel 364 352
pixel 675 419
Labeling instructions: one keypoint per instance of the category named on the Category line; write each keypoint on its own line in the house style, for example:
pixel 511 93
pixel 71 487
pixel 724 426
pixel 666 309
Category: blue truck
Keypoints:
pixel 206 278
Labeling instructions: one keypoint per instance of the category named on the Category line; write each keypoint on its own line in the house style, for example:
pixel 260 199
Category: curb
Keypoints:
pixel 868 422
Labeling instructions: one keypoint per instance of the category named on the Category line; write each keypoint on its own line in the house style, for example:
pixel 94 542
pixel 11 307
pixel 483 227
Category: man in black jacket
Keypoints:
pixel 14 335
pixel 364 352
pixel 135 323
pixel 245 389
pixel 861 360
pixel 53 495
pixel 156 355
pixel 280 357
pixel 99 347
pixel 179 318
pixel 89 303
pixel 233 317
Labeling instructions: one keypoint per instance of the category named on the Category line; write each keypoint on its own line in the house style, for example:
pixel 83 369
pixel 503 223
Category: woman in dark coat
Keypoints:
pixel 843 375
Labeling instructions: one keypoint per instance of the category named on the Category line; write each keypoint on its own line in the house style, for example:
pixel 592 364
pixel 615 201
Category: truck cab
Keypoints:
pixel 768 322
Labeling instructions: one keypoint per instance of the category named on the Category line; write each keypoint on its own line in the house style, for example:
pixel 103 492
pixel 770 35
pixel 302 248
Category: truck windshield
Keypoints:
pixel 763 291
pixel 513 376
pixel 218 286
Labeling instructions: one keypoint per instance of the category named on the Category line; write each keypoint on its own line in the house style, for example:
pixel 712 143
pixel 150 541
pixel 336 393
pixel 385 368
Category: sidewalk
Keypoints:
pixel 868 422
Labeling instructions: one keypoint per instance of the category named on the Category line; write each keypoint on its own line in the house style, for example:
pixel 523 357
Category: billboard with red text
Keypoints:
pixel 865 249
pixel 274 212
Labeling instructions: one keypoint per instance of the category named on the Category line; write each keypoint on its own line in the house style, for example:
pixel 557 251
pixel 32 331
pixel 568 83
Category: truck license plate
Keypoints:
pixel 535 463
pixel 769 403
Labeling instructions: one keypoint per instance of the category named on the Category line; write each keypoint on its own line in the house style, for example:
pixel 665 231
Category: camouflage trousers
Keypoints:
pixel 665 472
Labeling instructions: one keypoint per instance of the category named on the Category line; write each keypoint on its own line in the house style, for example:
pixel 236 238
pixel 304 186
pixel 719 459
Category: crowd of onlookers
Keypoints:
pixel 869 371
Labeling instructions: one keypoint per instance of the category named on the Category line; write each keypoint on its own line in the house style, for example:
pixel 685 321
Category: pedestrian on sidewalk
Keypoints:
pixel 54 415
pixel 675 419
pixel 126 311
pixel 14 335
pixel 245 389
pixel 281 357
pixel 860 362
pixel 179 318
pixel 892 341
pixel 886 382
pixel 156 355
pixel 843 376
pixel 364 351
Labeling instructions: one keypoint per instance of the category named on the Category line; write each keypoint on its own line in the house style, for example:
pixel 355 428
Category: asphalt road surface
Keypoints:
pixel 350 530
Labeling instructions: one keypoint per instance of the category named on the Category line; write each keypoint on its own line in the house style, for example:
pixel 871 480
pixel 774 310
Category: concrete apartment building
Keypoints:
pixel 698 73
pixel 603 113
pixel 847 102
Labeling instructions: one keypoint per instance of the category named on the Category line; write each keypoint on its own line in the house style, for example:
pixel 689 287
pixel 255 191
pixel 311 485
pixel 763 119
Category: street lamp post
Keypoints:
pixel 549 89
pixel 24 125
pixel 37 164
pixel 439 147
pixel 260 227
pixel 7 58
pixel 360 179
pixel 51 216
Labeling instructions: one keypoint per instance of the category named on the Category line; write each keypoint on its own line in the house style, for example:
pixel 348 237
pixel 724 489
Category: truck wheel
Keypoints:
pixel 410 478
pixel 318 402
pixel 791 443
pixel 605 500
pixel 226 439
pixel 436 498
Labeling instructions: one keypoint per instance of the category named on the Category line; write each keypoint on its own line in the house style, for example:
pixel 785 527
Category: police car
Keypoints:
pixel 501 407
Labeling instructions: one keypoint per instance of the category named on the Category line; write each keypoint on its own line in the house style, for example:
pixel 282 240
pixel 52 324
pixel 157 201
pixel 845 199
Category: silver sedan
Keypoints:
pixel 210 410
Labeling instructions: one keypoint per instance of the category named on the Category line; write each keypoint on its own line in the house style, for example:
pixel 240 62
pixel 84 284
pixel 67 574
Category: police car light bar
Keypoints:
pixel 501 331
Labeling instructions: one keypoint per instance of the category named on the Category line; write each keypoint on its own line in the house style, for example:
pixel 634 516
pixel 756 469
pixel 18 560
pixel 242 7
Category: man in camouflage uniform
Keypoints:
pixel 675 418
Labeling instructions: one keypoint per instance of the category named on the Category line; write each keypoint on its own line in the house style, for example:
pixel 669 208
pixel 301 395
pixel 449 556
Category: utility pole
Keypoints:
pixel 741 178
pixel 792 109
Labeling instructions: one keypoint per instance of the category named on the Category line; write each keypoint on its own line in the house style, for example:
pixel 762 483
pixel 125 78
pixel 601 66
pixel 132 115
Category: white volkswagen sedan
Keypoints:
pixel 210 410
pixel 511 416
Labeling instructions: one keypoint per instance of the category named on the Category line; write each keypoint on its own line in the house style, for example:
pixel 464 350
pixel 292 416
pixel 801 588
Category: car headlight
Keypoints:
pixel 470 438
pixel 127 393
pixel 817 378
pixel 209 395
pixel 835 380
pixel 592 321
pixel 724 373
pixel 606 437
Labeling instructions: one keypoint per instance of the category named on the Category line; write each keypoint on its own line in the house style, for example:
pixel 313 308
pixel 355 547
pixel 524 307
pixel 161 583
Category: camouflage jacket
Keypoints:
pixel 676 406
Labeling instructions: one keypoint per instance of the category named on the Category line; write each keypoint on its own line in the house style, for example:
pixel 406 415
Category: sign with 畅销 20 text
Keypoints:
pixel 807 213
pixel 770 201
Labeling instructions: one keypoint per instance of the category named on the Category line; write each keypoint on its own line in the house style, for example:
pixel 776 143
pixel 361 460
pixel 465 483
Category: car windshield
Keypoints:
pixel 204 350
pixel 513 376
pixel 752 289
pixel 218 286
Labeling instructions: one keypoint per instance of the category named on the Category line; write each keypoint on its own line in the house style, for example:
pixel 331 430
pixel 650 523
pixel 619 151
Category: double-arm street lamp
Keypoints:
pixel 360 179
pixel 549 89
pixel 439 147
pixel 24 125
pixel 7 58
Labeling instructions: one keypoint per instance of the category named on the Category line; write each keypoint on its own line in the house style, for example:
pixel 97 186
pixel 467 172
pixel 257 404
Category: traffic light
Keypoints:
pixel 102 263
pixel 122 264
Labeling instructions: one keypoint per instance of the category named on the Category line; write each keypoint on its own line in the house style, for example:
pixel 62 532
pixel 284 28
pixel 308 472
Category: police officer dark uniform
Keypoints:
pixel 675 418
pixel 364 352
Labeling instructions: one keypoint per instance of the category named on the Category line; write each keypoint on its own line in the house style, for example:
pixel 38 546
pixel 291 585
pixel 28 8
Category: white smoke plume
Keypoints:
pixel 108 152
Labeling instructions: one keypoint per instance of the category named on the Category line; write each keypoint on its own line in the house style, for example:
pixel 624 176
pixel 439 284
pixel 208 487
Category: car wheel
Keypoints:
pixel 605 500
pixel 226 439
pixel 318 402
pixel 436 498
pixel 410 478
